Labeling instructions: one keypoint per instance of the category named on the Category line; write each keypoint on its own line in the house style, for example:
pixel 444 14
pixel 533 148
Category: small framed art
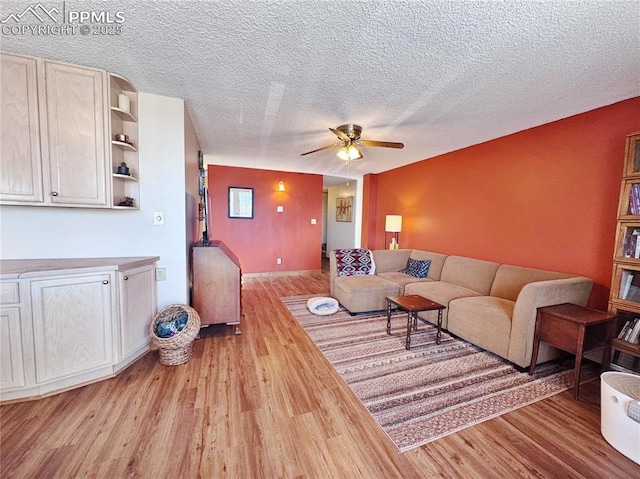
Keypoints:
pixel 343 208
pixel 240 202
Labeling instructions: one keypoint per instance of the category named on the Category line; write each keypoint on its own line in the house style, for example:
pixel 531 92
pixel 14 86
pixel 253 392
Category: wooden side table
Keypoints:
pixel 574 329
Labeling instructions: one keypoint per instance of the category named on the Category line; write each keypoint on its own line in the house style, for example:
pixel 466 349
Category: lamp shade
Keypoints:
pixel 393 224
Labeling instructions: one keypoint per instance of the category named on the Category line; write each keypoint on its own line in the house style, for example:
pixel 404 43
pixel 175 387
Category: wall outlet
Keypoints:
pixel 278 260
pixel 161 274
pixel 313 221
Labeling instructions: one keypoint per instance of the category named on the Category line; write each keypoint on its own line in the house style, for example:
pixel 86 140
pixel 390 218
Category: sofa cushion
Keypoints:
pixel 484 321
pixel 510 280
pixel 417 268
pixel 474 274
pixel 440 292
pixel 363 293
pixel 390 260
pixel 401 279
pixel 437 262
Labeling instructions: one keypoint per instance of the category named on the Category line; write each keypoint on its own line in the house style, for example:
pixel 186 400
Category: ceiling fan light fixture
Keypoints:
pixel 349 152
pixel 349 140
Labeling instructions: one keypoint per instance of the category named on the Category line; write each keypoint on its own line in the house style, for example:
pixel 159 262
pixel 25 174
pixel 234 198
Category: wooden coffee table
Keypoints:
pixel 413 304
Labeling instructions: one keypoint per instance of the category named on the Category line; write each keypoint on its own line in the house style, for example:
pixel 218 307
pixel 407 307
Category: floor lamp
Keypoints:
pixel 393 225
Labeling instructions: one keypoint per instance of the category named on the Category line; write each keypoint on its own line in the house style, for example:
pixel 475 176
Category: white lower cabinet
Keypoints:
pixel 72 326
pixel 137 295
pixel 11 358
pixel 68 328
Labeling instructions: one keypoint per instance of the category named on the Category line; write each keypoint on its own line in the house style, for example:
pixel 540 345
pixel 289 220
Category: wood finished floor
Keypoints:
pixel 266 404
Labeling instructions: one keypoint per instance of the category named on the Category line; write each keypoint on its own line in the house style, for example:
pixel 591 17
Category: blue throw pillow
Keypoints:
pixel 417 268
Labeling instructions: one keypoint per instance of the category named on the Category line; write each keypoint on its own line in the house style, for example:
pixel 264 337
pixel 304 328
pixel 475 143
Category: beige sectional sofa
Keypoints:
pixel 489 304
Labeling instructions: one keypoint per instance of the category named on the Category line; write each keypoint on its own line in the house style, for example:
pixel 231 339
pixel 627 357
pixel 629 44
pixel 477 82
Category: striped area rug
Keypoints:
pixel 432 390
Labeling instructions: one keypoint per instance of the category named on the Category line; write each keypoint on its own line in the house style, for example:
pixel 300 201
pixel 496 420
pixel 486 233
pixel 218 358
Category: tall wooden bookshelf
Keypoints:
pixel 625 284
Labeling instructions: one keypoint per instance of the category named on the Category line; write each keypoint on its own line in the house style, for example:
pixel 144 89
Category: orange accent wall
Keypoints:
pixel 370 191
pixel 545 197
pixel 269 235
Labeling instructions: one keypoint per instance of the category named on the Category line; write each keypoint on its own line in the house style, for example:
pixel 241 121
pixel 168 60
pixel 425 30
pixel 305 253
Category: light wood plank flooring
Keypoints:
pixel 266 404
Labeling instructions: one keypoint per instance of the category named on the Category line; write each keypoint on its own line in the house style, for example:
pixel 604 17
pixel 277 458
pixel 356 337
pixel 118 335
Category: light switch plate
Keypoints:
pixel 161 274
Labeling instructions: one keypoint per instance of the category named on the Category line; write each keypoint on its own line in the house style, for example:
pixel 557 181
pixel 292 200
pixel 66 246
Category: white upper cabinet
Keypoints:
pixel 21 179
pixel 75 147
pixel 58 135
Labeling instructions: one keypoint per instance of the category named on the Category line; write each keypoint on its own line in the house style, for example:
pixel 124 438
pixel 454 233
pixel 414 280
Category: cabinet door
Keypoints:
pixel 12 373
pixel 76 154
pixel 137 289
pixel 72 322
pixel 21 179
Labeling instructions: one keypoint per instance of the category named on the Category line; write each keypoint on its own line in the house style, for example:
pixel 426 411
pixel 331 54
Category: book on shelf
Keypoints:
pixel 624 330
pixel 634 199
pixel 630 286
pixel 635 332
pixel 631 247
pixel 625 284
pixel 630 332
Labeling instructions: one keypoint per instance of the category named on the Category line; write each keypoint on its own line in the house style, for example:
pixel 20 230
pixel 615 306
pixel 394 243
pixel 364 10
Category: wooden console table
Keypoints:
pixel 574 329
pixel 217 280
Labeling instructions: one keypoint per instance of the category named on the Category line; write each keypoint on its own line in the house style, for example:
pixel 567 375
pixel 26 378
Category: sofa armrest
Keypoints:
pixel 574 290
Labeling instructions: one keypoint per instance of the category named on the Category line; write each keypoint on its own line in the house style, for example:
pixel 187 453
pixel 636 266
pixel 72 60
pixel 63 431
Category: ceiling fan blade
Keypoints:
pixel 384 144
pixel 320 149
pixel 340 135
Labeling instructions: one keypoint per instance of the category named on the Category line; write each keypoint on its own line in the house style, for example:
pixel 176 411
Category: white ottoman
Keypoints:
pixel 617 392
pixel 323 306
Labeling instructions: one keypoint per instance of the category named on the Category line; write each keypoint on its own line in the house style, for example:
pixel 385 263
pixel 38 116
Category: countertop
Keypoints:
pixel 25 268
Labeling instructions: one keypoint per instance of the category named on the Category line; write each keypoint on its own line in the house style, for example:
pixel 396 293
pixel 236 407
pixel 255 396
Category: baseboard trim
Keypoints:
pixel 272 274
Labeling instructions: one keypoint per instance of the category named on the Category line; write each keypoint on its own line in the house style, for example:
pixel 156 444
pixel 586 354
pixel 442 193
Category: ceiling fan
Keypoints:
pixel 349 136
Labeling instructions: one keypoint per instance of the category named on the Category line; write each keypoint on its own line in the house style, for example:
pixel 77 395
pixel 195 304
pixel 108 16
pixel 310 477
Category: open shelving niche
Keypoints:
pixel 124 122
pixel 625 284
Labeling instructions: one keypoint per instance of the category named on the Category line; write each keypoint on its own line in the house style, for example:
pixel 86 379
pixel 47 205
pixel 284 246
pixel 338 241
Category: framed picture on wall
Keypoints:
pixel 343 208
pixel 240 202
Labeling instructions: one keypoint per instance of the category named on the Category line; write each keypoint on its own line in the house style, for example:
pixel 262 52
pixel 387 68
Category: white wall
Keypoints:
pixel 344 234
pixel 162 155
pixel 51 232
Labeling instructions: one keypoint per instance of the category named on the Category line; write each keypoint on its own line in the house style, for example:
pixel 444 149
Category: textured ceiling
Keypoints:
pixel 263 81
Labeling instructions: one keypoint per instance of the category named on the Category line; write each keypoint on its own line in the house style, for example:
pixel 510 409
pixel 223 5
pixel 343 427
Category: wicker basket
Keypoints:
pixel 178 348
